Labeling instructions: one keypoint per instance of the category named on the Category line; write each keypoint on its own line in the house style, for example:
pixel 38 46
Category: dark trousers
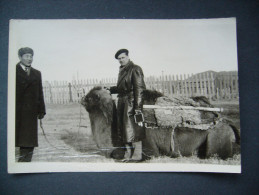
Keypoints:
pixel 25 154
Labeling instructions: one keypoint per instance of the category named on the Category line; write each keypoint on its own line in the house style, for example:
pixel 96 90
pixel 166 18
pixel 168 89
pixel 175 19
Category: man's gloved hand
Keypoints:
pixel 108 89
pixel 140 124
pixel 138 112
pixel 41 116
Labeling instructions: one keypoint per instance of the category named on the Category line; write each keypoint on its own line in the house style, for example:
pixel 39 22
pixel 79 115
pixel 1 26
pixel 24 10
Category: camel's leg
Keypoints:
pixel 219 142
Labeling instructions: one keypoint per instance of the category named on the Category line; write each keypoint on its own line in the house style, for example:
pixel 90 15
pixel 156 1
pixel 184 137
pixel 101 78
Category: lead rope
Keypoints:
pixel 41 126
pixel 79 124
pixel 80 110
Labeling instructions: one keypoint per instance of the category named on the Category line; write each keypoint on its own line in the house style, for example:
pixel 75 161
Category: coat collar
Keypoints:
pixel 23 66
pixel 124 71
pixel 20 72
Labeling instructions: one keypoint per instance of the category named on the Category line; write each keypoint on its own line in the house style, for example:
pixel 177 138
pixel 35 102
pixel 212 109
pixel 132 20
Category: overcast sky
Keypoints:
pixel 65 49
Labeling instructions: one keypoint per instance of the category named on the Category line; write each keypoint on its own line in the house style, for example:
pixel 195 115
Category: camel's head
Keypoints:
pixel 99 99
pixel 150 96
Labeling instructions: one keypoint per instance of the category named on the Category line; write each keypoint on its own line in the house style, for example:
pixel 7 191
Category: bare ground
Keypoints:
pixel 68 137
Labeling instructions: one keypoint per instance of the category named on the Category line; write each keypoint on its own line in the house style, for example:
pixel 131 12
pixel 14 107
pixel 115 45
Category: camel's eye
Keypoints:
pixel 96 97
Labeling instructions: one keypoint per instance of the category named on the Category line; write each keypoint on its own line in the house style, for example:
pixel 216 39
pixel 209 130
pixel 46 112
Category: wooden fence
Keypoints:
pixel 214 86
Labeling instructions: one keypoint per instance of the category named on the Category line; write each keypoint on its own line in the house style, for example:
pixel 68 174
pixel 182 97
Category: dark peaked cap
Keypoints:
pixel 120 52
pixel 25 50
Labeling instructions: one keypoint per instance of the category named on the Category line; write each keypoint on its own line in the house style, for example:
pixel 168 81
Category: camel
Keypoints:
pixel 175 141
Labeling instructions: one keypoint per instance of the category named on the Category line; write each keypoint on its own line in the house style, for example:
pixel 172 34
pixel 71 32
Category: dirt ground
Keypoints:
pixel 69 139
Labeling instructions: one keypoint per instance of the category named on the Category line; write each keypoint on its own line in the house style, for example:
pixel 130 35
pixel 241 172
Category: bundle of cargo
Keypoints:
pixel 164 112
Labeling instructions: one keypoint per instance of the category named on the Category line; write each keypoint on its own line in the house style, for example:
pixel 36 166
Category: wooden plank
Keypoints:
pixel 181 85
pixel 205 84
pixel 189 85
pixel 161 84
pixel 219 87
pixel 197 85
pixel 173 85
pixel 170 86
pixel 177 85
pixel 236 84
pixel 200 84
pixel 212 85
pixel 185 86
pixel 158 88
pixel 167 85
pixel 208 85
pixel 193 84
pixel 183 108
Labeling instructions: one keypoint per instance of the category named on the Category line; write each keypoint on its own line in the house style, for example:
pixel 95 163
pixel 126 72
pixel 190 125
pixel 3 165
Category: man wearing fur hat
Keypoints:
pixel 30 105
pixel 130 86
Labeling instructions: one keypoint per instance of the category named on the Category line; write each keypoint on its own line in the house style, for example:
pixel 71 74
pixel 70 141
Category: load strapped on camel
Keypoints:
pixel 164 112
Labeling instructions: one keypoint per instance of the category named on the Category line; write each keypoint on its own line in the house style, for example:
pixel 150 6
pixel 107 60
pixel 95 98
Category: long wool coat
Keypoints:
pixel 130 86
pixel 29 104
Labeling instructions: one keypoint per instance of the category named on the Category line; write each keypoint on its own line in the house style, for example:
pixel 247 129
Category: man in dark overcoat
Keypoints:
pixel 30 105
pixel 130 86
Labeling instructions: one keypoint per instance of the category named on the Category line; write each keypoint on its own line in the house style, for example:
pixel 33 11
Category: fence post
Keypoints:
pixel 170 86
pixel 208 85
pixel 189 85
pixel 181 84
pixel 70 92
pixel 162 82
pixel 173 85
pixel 213 80
pixel 50 92
pixel 185 86
pixel 197 85
pixel 177 85
pixel 205 85
pixel 236 85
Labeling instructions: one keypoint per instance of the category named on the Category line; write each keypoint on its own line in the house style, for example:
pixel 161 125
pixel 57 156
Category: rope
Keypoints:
pixel 79 125
pixel 80 111
pixel 41 126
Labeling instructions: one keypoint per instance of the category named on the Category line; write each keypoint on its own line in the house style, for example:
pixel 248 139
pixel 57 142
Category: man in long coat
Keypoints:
pixel 130 86
pixel 30 104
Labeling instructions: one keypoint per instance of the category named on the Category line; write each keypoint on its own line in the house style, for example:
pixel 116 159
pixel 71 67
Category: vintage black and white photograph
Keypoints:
pixel 123 95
